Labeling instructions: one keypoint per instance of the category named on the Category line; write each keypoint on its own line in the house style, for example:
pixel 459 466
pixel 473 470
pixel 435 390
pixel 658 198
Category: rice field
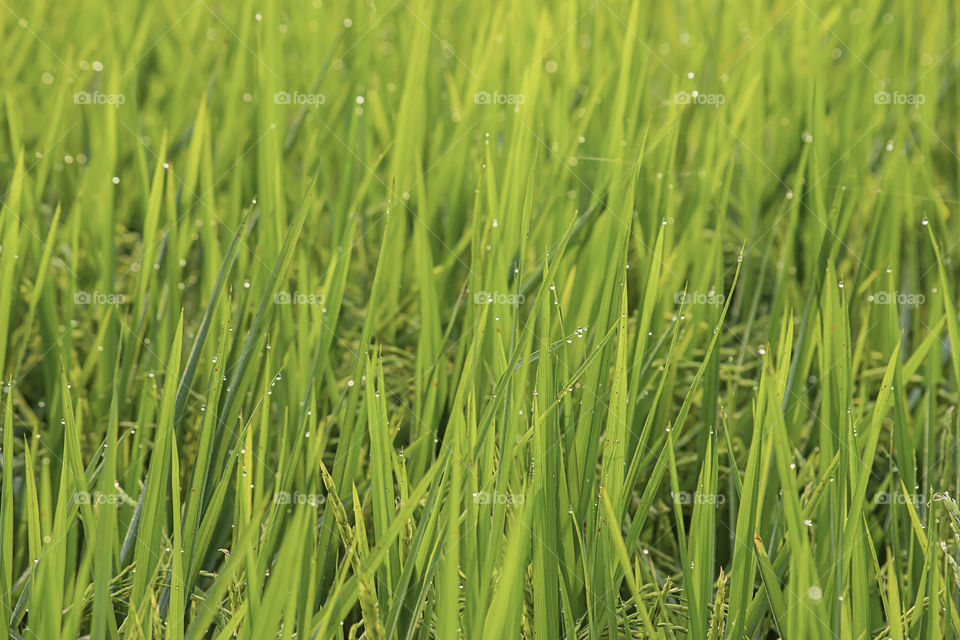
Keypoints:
pixel 518 319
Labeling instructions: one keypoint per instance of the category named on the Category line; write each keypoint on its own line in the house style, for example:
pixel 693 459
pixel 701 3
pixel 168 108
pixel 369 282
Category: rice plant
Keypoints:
pixel 518 319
